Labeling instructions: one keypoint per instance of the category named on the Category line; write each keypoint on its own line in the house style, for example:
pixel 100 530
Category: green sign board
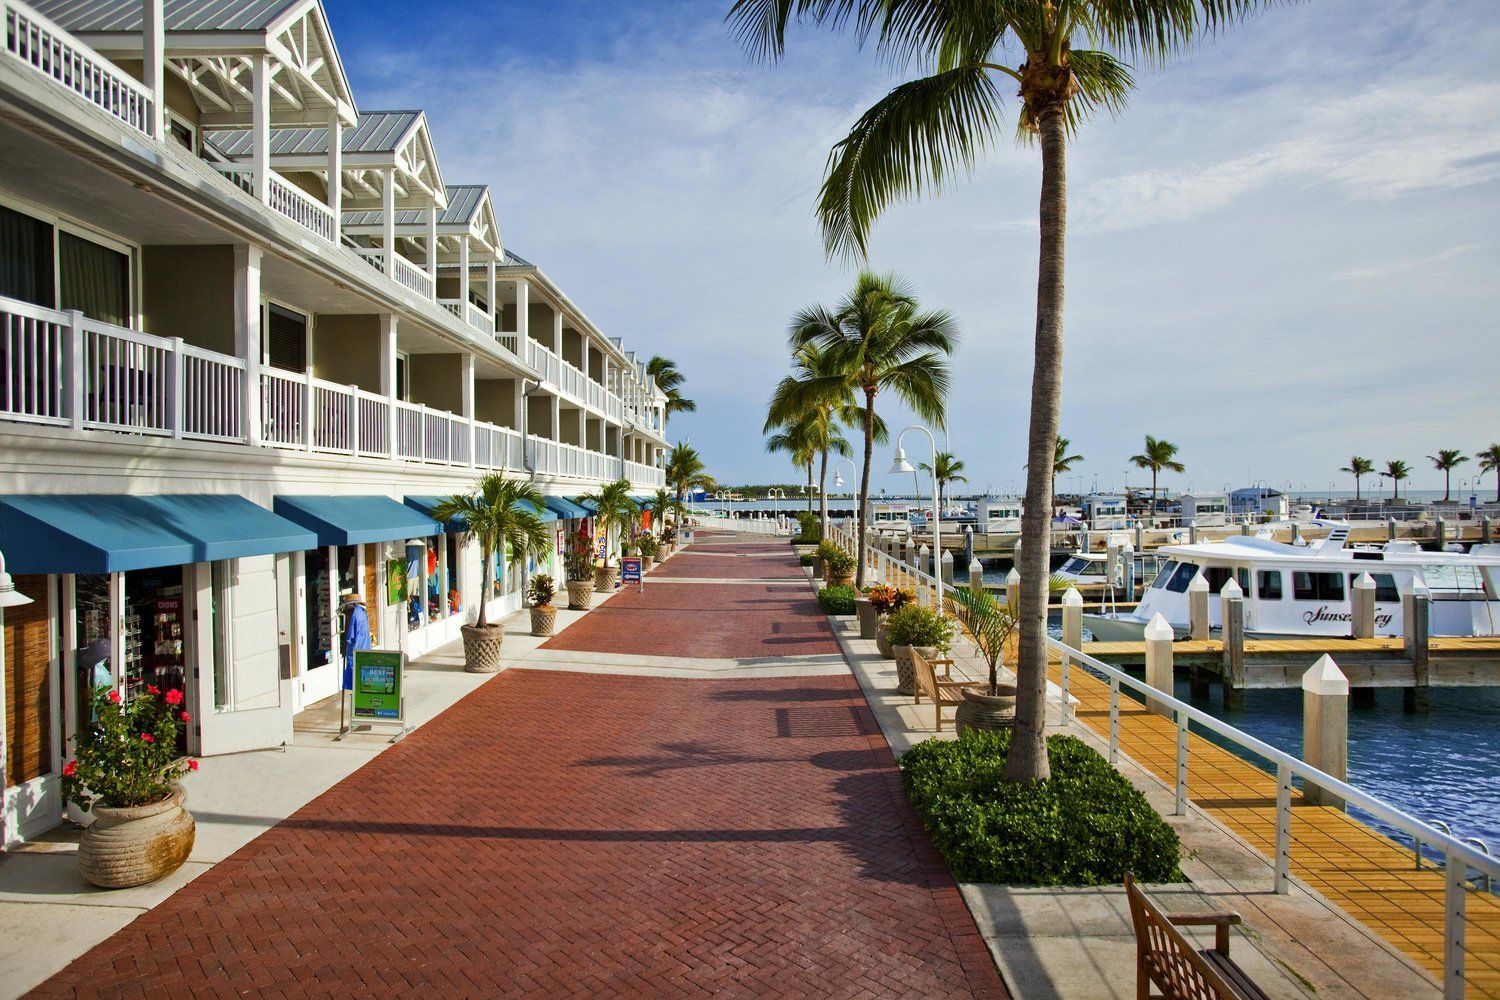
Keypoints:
pixel 377 685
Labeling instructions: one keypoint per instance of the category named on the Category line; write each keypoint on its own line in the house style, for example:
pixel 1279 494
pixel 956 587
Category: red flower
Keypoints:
pixel 70 769
pixel 153 689
pixel 192 765
pixel 148 738
pixel 186 717
pixel 174 697
pixel 114 696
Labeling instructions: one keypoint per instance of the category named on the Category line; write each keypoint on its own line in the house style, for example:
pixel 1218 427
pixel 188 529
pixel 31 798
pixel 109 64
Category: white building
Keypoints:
pixel 248 333
pixel 1203 509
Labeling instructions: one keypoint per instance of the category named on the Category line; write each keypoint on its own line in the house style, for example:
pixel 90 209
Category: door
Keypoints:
pixel 247 706
pixel 32 794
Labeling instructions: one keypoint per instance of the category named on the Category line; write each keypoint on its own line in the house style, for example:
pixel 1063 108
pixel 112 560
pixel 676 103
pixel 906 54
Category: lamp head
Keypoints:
pixel 838 479
pixel 901 464
pixel 10 597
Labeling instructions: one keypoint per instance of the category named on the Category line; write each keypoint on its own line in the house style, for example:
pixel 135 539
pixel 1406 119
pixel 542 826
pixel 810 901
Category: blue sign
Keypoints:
pixel 630 569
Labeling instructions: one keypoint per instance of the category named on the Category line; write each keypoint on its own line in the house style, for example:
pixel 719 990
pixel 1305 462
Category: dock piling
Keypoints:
pixel 976 576
pixel 924 559
pixel 1013 588
pixel 947 567
pixel 1193 533
pixel 1072 630
pixel 1442 534
pixel 1362 607
pixel 1417 639
pixel 1325 727
pixel 1390 529
pixel 1234 654
pixel 1485 534
pixel 1198 607
pixel 1127 556
pixel 1159 636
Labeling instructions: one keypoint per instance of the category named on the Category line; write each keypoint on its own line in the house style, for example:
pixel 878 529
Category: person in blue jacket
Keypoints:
pixel 356 632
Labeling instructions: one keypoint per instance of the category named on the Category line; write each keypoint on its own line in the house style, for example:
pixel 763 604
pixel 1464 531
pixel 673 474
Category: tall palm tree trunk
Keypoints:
pixel 823 493
pixel 1356 489
pixel 1027 757
pixel 1447 483
pixel 1153 494
pixel 809 488
pixel 485 576
pixel 864 492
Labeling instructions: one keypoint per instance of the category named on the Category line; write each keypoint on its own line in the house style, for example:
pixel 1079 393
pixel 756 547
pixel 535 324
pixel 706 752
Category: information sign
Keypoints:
pixel 630 569
pixel 377 685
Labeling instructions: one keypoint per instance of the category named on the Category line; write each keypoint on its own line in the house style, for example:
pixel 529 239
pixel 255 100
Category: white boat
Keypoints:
pixel 1090 570
pixel 1303 590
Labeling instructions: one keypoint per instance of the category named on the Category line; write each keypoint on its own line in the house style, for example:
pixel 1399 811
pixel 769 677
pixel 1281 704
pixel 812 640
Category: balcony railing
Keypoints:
pixel 571 379
pixel 53 52
pixel 470 314
pixel 644 475
pixel 303 209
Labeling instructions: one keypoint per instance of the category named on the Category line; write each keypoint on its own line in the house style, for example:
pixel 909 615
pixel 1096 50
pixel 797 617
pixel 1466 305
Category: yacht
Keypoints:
pixel 1301 591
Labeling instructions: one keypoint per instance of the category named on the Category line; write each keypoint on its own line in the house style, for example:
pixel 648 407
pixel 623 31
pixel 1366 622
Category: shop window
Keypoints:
pixel 435 588
pixel 218 611
pixel 453 575
pixel 319 608
pixel 1268 584
pixel 154 641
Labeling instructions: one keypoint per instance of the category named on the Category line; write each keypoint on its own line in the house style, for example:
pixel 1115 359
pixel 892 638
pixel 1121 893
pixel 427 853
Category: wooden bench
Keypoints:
pixel 942 692
pixel 1167 959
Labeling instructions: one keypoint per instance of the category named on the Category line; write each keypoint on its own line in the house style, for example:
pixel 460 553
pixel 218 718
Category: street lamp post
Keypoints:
pixel 902 465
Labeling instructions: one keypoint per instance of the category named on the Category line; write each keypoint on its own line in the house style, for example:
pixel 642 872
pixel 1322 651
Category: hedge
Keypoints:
pixel 807 558
pixel 1085 826
pixel 837 600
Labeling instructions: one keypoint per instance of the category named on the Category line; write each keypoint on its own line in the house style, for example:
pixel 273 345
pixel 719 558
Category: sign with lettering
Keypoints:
pixel 377 685
pixel 630 570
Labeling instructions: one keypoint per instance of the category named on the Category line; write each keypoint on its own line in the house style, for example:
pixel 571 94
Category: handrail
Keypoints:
pixel 56 54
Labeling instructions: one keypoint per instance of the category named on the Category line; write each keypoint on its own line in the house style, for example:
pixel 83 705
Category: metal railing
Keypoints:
pixel 1459 857
pixel 38 43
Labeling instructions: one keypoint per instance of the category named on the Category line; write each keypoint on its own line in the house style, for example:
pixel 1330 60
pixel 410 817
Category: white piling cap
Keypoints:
pixel 1325 677
pixel 947 557
pixel 975 566
pixel 1199 584
pixel 1364 582
pixel 1072 598
pixel 1231 591
pixel 1012 577
pixel 1157 628
pixel 923 548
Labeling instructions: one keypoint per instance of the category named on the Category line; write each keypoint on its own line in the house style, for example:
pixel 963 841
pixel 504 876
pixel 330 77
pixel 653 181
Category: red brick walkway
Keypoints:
pixel 562 834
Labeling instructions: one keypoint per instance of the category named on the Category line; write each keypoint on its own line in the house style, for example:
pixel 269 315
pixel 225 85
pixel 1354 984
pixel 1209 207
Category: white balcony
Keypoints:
pixel 470 314
pixel 404 271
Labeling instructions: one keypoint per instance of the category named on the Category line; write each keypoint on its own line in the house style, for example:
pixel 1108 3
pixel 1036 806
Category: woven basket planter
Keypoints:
pixel 482 648
pixel 136 845
pixel 906 670
pixel 543 619
pixel 606 579
pixel 580 594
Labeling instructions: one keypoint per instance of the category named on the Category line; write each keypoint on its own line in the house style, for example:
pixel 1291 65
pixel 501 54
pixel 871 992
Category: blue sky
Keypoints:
pixel 1284 251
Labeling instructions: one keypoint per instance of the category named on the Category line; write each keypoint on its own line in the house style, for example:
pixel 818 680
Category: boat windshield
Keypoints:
pixel 1075 566
pixel 1183 576
pixel 1166 574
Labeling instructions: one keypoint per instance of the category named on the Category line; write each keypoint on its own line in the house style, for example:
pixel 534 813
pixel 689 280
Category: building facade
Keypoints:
pixel 248 335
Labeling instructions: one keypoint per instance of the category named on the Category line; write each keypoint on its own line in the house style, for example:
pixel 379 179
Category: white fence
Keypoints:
pixel 38 43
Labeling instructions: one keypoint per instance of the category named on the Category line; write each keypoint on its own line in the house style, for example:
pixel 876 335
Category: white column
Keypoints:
pixel 523 312
pixel 154 56
pixel 388 217
pixel 463 276
pixel 388 376
pixel 335 197
pixel 466 387
pixel 489 286
pixel 432 214
pixel 260 126
pixel 247 336
pixel 557 336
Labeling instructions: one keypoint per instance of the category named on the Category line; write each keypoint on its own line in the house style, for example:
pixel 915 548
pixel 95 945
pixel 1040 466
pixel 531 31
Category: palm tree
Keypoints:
pixel 1358 467
pixel 1396 470
pixel 1446 460
pixel 877 340
pixel 926 131
pixel 502 515
pixel 613 508
pixel 669 379
pixel 685 472
pixel 1158 456
pixel 798 441
pixel 1061 460
pixel 949 470
pixel 1489 461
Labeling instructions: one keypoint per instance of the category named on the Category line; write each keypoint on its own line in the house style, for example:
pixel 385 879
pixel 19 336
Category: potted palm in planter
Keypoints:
pixel 613 508
pixel 500 514
pixel 661 505
pixel 539 595
pixel 578 563
pixel 825 551
pixel 840 567
pixel 992 623
pixel 886 600
pixel 648 547
pixel 919 627
pixel 126 774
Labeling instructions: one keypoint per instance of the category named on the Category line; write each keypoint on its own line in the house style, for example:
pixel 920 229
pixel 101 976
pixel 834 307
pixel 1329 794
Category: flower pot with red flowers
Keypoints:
pixel 543 614
pixel 579 566
pixel 125 774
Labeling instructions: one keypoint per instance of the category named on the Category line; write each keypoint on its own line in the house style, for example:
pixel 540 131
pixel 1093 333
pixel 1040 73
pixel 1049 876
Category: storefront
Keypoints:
pixel 572 518
pixel 360 547
pixel 453 565
pixel 180 592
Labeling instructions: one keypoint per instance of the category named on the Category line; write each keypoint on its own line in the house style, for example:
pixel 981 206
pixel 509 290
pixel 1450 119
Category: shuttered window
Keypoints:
pixel 28 692
pixel 286 339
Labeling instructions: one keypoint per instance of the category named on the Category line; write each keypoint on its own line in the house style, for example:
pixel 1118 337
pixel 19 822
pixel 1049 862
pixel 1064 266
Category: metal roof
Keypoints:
pixel 512 259
pixel 374 132
pixel 464 201
pixel 178 15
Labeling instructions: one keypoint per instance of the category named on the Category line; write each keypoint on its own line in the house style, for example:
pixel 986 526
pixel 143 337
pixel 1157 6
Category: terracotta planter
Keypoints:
pixel 543 619
pixel 906 671
pixel 883 639
pixel 842 579
pixel 982 710
pixel 580 594
pixel 136 844
pixel 482 648
pixel 869 620
pixel 606 579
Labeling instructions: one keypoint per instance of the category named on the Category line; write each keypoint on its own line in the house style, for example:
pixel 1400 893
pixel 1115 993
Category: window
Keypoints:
pixel 286 339
pixel 182 132
pixel 1268 584
pixel 1075 565
pixel 93 279
pixel 1182 577
pixel 1166 574
pixel 26 258
pixel 1318 586
pixel 1385 587
pixel 1217 576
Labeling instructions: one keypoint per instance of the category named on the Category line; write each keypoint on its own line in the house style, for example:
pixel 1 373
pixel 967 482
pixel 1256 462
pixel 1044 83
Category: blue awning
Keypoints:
pixel 590 508
pixel 111 533
pixel 356 520
pixel 565 508
pixel 545 514
pixel 427 504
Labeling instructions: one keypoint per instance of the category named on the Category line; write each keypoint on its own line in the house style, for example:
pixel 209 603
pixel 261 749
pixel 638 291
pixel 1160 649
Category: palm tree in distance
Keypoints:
pixel 949 470
pixel 501 514
pixel 1062 461
pixel 927 131
pixel 1358 467
pixel 669 380
pixel 686 472
pixel 830 402
pixel 797 441
pixel 1445 461
pixel 1396 470
pixel 1489 461
pixel 613 508
pixel 1159 457
pixel 878 341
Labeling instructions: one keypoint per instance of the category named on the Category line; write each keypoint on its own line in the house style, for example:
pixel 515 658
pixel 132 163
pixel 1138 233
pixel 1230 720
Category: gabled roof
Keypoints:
pixel 513 259
pixel 468 212
pixel 180 15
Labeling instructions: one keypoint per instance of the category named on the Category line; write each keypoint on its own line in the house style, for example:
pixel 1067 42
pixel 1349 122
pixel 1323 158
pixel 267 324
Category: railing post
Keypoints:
pixel 1180 807
pixel 1114 720
pixel 1453 927
pixel 175 386
pixel 353 423
pixel 1283 828
pixel 75 358
pixel 309 416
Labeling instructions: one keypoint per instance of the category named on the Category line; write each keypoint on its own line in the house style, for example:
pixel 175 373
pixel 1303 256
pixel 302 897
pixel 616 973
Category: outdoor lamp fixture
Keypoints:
pixel 10 597
pixel 902 465
pixel 838 476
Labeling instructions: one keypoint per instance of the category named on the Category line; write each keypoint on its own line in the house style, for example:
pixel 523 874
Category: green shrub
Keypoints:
pixel 806 558
pixel 917 625
pixel 837 600
pixel 809 528
pixel 840 563
pixel 1085 826
pixel 828 548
